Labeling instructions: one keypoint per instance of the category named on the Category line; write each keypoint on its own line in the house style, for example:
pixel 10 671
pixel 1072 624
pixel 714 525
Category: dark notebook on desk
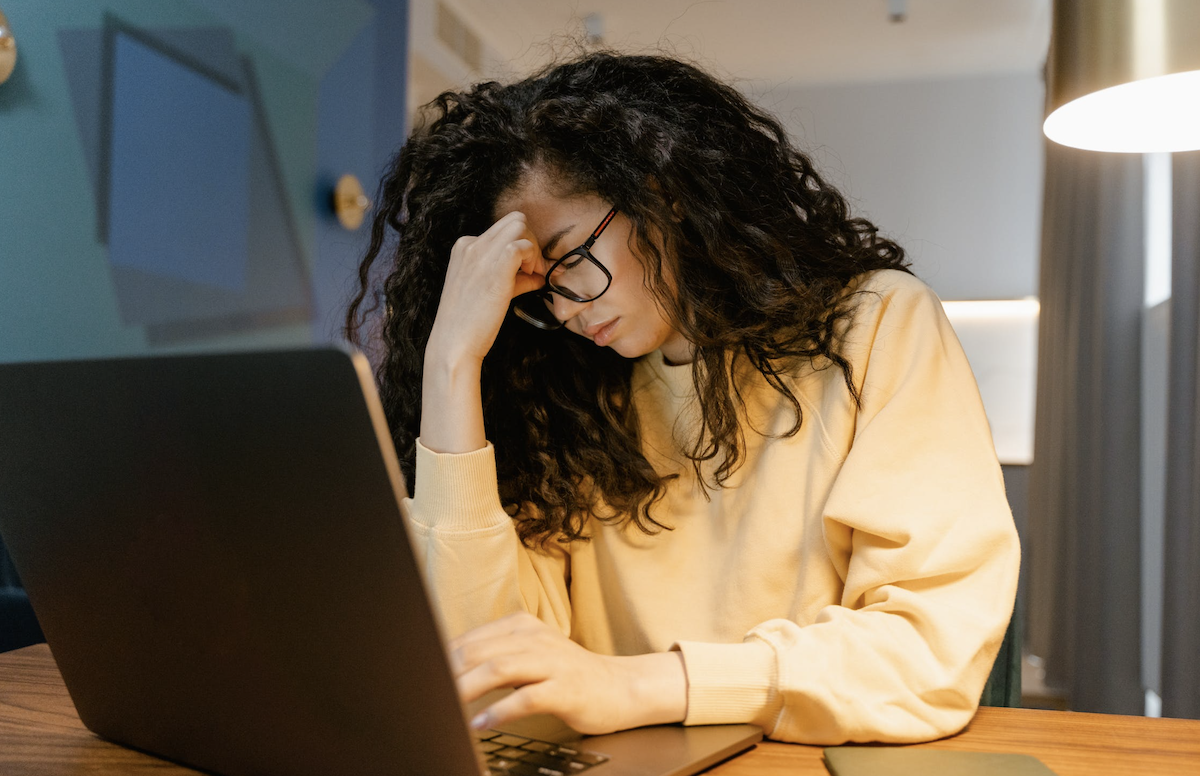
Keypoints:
pixel 905 761
pixel 214 547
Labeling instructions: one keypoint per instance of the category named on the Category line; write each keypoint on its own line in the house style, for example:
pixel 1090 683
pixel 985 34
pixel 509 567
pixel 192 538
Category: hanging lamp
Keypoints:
pixel 1124 75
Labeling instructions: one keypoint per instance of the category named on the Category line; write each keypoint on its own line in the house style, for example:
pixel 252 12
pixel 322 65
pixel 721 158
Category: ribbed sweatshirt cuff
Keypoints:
pixel 457 491
pixel 729 683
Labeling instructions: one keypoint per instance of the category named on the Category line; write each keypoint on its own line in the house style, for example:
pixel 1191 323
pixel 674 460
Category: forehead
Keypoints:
pixel 549 205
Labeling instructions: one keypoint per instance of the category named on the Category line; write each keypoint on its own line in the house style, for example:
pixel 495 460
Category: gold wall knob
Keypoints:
pixel 8 49
pixel 350 203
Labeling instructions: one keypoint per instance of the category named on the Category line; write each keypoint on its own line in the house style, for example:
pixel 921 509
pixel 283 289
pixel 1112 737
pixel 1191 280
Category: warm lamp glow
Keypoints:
pixel 1148 116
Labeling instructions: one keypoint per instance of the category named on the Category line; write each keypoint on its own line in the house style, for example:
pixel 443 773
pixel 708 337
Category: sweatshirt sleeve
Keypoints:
pixel 919 530
pixel 475 566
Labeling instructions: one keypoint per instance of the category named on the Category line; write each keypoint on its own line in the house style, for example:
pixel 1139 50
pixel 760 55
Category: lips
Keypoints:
pixel 601 333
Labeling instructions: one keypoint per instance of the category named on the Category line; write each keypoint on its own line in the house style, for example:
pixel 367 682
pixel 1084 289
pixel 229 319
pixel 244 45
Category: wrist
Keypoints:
pixel 451 403
pixel 445 361
pixel 447 348
pixel 451 375
pixel 658 688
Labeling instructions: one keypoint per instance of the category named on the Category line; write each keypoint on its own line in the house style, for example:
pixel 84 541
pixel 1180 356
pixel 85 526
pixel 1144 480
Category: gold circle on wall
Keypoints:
pixel 350 202
pixel 8 49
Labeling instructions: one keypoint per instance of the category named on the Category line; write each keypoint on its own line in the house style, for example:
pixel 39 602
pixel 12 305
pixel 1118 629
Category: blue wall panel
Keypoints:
pixel 179 186
pixel 123 235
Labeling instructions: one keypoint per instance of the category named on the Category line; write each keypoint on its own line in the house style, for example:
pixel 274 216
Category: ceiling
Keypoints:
pixel 779 42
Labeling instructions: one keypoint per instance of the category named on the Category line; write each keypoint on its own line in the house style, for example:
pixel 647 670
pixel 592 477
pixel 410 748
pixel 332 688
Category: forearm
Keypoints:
pixel 451 402
pixel 484 275
pixel 475 566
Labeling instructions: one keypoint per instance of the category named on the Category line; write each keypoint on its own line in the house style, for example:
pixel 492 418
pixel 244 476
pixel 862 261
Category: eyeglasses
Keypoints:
pixel 577 276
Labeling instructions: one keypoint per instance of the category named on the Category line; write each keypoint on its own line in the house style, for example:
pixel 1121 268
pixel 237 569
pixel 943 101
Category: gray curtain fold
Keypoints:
pixel 1083 552
pixel 1181 583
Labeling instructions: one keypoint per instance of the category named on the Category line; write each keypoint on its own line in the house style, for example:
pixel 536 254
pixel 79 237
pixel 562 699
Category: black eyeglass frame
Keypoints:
pixel 584 251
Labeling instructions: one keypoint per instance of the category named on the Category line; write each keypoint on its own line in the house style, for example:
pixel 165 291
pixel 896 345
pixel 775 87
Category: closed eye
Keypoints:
pixel 572 261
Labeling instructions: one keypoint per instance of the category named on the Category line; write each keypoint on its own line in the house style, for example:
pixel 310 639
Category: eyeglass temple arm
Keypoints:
pixel 599 229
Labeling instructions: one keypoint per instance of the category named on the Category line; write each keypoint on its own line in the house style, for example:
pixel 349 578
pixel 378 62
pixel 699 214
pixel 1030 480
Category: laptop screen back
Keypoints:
pixel 214 547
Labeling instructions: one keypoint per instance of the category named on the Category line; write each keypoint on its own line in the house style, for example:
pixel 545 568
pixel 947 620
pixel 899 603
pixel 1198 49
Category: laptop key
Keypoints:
pixel 510 740
pixel 517 756
pixel 501 765
pixel 544 761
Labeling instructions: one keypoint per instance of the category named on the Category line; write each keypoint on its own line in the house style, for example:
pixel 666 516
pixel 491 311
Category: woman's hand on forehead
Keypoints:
pixel 485 273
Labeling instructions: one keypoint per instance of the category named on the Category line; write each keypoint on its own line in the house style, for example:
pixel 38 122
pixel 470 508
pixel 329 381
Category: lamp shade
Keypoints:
pixel 1124 75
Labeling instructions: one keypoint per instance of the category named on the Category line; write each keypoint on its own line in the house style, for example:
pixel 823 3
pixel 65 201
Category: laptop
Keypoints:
pixel 214 548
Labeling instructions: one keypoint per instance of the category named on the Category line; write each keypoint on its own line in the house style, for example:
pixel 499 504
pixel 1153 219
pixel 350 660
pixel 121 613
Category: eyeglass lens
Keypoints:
pixel 578 278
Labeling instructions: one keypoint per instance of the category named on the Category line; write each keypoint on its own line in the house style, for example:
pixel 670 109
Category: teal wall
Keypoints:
pixel 330 74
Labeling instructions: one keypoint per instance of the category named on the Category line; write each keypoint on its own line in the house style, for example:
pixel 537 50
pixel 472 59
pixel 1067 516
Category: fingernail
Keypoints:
pixel 480 722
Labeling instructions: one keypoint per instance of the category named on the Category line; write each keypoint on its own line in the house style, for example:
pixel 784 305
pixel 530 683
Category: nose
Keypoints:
pixel 565 309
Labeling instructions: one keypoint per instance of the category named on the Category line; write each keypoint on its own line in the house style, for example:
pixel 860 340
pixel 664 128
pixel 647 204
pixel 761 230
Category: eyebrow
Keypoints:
pixel 550 245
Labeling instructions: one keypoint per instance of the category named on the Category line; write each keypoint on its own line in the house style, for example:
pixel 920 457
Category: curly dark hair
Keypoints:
pixel 759 248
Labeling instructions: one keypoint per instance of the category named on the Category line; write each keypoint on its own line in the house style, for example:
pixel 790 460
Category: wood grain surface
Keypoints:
pixel 40 735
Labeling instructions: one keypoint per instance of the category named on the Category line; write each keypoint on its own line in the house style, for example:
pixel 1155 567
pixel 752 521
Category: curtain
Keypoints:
pixel 1181 583
pixel 1083 553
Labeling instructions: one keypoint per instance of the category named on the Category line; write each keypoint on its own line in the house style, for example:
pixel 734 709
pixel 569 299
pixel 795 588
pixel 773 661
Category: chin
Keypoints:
pixel 630 351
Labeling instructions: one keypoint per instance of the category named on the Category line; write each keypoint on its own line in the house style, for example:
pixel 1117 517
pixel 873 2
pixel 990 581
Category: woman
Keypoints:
pixel 723 462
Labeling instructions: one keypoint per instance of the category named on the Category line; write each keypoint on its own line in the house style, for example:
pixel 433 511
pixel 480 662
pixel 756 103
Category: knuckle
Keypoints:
pixel 516 618
pixel 530 699
pixel 499 667
pixel 465 654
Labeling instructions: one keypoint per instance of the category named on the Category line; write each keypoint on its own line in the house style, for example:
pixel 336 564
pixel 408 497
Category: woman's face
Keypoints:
pixel 627 318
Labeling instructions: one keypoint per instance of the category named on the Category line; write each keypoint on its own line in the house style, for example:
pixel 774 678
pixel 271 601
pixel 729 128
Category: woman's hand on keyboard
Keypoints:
pixel 551 674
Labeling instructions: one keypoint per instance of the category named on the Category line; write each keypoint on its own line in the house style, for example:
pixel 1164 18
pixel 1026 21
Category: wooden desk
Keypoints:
pixel 40 735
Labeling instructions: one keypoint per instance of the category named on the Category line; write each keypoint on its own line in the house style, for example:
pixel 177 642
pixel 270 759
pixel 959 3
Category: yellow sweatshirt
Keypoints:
pixel 851 583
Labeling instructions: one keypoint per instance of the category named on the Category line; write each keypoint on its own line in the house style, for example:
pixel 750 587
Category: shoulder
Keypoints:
pixel 884 299
pixel 895 323
pixel 877 293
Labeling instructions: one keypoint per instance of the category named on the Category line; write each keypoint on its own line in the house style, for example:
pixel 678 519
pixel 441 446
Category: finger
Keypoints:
pixel 525 243
pixel 466 655
pixel 524 284
pixel 510 623
pixel 514 669
pixel 524 252
pixel 531 273
pixel 506 229
pixel 503 231
pixel 473 654
pixel 532 260
pixel 531 699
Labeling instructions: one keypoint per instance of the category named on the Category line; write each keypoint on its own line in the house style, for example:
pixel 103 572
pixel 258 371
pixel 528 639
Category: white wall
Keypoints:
pixel 952 169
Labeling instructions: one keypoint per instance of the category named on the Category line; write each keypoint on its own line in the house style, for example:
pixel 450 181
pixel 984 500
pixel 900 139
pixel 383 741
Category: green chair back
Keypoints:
pixel 1003 686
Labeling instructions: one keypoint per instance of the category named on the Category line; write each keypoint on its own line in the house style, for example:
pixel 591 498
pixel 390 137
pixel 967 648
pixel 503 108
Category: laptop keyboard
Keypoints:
pixel 509 755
